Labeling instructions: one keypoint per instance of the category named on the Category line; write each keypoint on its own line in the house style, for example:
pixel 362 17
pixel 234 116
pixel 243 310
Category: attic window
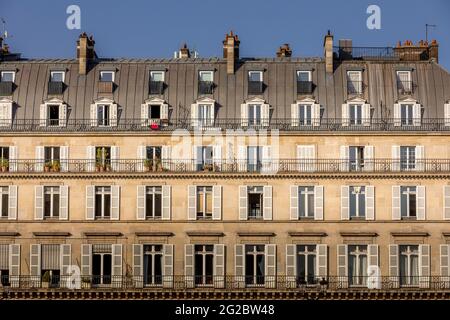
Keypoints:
pixel 7 76
pixel 107 76
pixel 404 82
pixel 57 76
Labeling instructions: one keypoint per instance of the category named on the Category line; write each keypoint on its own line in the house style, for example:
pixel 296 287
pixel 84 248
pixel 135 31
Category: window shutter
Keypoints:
pixel 291 270
pixel 13 157
pixel 396 158
pixel 393 265
pixel 113 115
pixel 219 266
pixel 344 151
pixel 90 155
pixel 318 203
pixel 164 111
pixel 189 271
pixel 294 115
pixel 345 203
pixel 14 265
pixel 420 158
pixel 417 112
pixel 446 204
pixel 270 275
pixel 242 158
pixel 217 157
pixel 144 114
pixel 116 265
pixel 168 266
pixel 397 115
pixel 138 265
pixel 447 114
pixel 8 114
pixel 62 115
pixel 94 121
pixel 372 251
pixel 244 115
pixel 39 202
pixel 35 265
pixel 342 263
pixel 64 202
pixel 217 202
pixel 43 115
pixel 65 251
pixel 12 202
pixel 424 265
pixel 115 202
pixel 316 115
pixel 294 202
pixel 90 202
pixel 213 113
pixel 369 164
pixel 322 261
pixel 86 260
pixel 40 159
pixel 268 165
pixel 267 203
pixel 239 265
pixel 370 202
pixel 166 157
pixel 396 213
pixel 197 157
pixel 445 264
pixel 140 212
pixel 166 202
pixel 366 114
pixel 265 115
pixel 64 157
pixel 141 155
pixel 194 115
pixel 192 202
pixel 345 115
pixel 243 211
pixel 115 165
pixel 421 203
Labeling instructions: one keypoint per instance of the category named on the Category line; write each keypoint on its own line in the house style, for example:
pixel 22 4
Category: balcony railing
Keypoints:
pixel 229 166
pixel 6 88
pixel 282 124
pixel 304 87
pixel 205 87
pixel 255 87
pixel 156 87
pixel 228 282
pixel 355 87
pixel 405 87
pixel 381 53
pixel 55 87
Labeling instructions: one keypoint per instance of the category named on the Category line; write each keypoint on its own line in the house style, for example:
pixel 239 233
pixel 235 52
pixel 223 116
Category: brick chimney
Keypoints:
pixel 284 51
pixel 85 52
pixel 433 51
pixel 184 52
pixel 422 51
pixel 328 52
pixel 231 51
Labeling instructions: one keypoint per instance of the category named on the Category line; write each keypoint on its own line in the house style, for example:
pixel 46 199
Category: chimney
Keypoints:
pixel 328 52
pixel 433 51
pixel 345 48
pixel 231 51
pixel 284 51
pixel 85 52
pixel 184 52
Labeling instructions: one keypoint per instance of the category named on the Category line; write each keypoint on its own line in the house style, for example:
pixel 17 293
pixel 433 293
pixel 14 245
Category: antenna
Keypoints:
pixel 426 30
pixel 4 33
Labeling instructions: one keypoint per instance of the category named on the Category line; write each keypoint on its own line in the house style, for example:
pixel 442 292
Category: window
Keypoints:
pixel 254 114
pixel 204 264
pixel 7 76
pixel 304 83
pixel 356 158
pixel 255 82
pixel 154 111
pixel 4 154
pixel 255 202
pixel 107 76
pixel 306 264
pixel 53 115
pixel 203 157
pixel 407 157
pixel 153 264
pixel 206 76
pixel 157 76
pixel 305 114
pixel 51 155
pixel 255 76
pixel 153 153
pixel 408 202
pixel 156 82
pixel 5 113
pixel 254 264
pixel 153 202
pixel 357 265
pixel 102 156
pixel 103 114
pixel 409 265
pixel 205 114
pixel 404 83
pixel 51 202
pixel 4 277
pixel 57 76
pixel 354 82
pixel 101 265
pixel 102 202
pixel 355 113
pixel 407 114
pixel 4 201
pixel 306 202
pixel 205 82
pixel 204 202
pixel 357 202
pixel 254 158
pixel 303 76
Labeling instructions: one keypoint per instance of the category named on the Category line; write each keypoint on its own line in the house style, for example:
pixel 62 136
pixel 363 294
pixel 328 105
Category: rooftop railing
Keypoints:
pixel 381 53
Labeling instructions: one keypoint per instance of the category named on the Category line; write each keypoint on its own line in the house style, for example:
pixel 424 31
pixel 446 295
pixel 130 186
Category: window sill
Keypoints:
pixel 409 218
pixel 358 218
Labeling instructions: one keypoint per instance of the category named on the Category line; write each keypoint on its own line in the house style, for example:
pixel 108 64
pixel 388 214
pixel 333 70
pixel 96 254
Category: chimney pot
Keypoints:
pixel 184 52
pixel 85 52
pixel 231 51
pixel 284 51
pixel 328 52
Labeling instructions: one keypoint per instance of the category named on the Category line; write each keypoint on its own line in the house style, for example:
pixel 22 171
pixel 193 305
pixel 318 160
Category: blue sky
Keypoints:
pixel 157 28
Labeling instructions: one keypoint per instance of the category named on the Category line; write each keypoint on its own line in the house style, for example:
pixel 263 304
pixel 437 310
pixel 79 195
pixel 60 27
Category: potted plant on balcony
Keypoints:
pixel 208 167
pixel 148 164
pixel 100 160
pixel 158 165
pixel 4 164
pixel 56 166
pixel 45 281
pixel 86 282
pixel 47 166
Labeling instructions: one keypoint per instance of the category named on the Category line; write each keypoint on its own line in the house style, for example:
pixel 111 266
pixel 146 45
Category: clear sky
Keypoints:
pixel 132 28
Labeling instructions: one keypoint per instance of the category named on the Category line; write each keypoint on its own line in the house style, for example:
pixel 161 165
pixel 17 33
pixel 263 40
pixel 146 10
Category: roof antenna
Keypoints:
pixel 426 30
pixel 4 34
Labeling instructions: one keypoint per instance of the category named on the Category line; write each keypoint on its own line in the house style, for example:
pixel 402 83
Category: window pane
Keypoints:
pixel 56 76
pixel 98 205
pixel 156 76
pixel 206 76
pixel 412 205
pixel 155 111
pixel 106 76
pixel 209 203
pixel 149 205
pixel 47 205
pixel 4 203
pixel 158 204
pixel 7 76
pixel 56 205
pixel 303 76
pixel 254 76
pixel 107 205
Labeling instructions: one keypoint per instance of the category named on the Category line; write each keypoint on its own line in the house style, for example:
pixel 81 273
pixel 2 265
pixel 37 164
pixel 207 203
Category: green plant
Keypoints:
pixel 46 276
pixel 48 164
pixel 4 162
pixel 148 163
pixel 56 165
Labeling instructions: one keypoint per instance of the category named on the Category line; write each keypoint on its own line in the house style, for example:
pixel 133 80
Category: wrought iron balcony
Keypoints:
pixel 255 87
pixel 56 87
pixel 205 87
pixel 304 87
pixel 405 87
pixel 156 87
pixel 6 88
pixel 228 166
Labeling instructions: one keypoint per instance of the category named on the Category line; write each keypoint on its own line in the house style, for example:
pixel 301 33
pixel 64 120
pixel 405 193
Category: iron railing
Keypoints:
pixel 405 87
pixel 228 282
pixel 227 165
pixel 380 53
pixel 55 87
pixel 255 87
pixel 304 87
pixel 156 87
pixel 355 87
pixel 283 124
pixel 205 87
pixel 6 88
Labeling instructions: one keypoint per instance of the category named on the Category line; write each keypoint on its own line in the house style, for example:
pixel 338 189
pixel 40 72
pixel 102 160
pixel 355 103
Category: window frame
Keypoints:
pixel 56 71
pixel 306 121
pixel 305 204
pixel 50 190
pixel 255 280
pixel 201 72
pixel 113 75
pixel 407 191
pixel 309 72
pixel 207 251
pixel 152 191
pixel 408 86
pixel 306 253
pixel 8 72
pixel 409 113
pixel 413 250
pixel 153 253
pixel 352 193
pixel 205 191
pixel 361 274
pixel 358 89
pixel 260 191
pixel 353 114
pixel 102 191
pixel 4 215
pixel 261 74
pixel 152 72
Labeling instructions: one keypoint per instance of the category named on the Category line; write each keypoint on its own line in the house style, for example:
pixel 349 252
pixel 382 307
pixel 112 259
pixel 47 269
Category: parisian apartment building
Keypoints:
pixel 226 176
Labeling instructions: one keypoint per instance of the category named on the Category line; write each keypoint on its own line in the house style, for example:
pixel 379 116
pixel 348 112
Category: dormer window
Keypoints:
pixel 53 113
pixel 205 82
pixel 7 82
pixel 154 112
pixel 304 82
pixel 107 76
pixel 356 112
pixel 255 112
pixel 203 113
pixel 57 76
pixel 7 76
pixel 255 82
pixel 305 112
pixel 106 83
pixel 56 82
pixel 354 83
pixel 6 106
pixel 407 113
pixel 156 85
pixel 404 82
pixel 104 113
